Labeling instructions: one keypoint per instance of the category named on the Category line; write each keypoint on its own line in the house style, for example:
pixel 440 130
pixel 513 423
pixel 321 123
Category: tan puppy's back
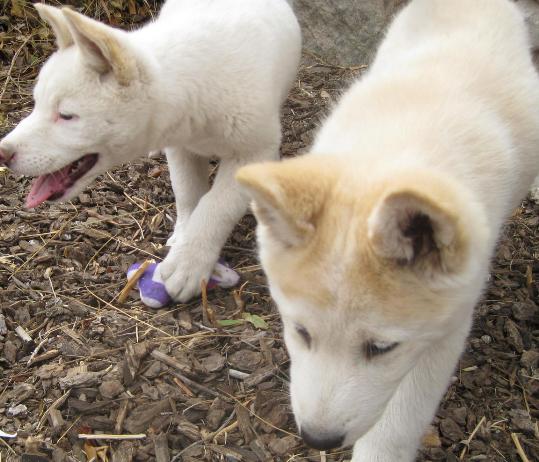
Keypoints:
pixel 458 102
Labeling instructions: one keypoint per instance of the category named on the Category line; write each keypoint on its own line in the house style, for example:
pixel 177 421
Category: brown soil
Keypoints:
pixel 93 365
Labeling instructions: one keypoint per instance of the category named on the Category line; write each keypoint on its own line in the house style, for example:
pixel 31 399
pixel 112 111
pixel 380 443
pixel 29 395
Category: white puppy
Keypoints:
pixel 206 79
pixel 377 244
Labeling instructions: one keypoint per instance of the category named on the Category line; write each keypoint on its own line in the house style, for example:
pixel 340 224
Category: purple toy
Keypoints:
pixel 152 289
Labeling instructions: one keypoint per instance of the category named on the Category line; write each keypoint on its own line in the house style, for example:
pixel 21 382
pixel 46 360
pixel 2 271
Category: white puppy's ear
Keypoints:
pixel 287 196
pixel 54 17
pixel 101 47
pixel 419 224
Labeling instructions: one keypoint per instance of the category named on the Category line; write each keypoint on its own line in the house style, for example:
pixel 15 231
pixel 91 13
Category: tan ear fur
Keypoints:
pixel 101 47
pixel 287 195
pixel 55 19
pixel 418 222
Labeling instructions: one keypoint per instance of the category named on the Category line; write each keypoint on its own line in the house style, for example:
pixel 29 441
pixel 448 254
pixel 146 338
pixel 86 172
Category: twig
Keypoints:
pixel 104 436
pixel 227 429
pixel 8 446
pixel 43 357
pixel 183 387
pixel 160 356
pixel 54 405
pixel 208 314
pixel 36 351
pixel 237 374
pixel 122 413
pixel 133 281
pixel 470 438
pixel 520 450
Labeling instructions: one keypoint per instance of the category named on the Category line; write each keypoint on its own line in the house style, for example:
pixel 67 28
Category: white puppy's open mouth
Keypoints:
pixel 53 186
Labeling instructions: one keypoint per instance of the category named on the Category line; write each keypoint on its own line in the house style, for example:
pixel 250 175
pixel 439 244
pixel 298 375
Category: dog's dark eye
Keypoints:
pixel 304 333
pixel 373 348
pixel 66 116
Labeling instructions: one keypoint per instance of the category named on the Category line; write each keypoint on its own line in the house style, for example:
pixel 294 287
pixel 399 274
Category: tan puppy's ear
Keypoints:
pixel 287 196
pixel 101 47
pixel 417 222
pixel 55 19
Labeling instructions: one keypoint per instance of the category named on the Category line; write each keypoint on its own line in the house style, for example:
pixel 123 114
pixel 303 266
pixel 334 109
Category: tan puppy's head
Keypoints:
pixel 368 271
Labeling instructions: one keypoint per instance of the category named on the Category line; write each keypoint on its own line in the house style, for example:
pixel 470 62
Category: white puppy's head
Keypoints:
pixel 90 110
pixel 368 273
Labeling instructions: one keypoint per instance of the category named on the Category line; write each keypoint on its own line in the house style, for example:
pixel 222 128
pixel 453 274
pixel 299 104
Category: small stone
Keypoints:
pixel 486 339
pixel 111 388
pixel 153 370
pixel 282 446
pixel 17 411
pixel 524 311
pixel 451 430
pixel 10 351
pixel 216 414
pixel 521 421
pixel 245 360
pixel 530 359
pixel 513 336
pixel 432 438
pixel 459 415
pixel 213 362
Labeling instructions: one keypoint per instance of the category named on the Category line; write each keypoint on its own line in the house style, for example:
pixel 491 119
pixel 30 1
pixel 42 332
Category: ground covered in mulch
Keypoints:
pixel 76 361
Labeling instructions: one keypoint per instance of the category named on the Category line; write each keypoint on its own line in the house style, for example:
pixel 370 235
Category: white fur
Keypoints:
pixel 452 91
pixel 206 79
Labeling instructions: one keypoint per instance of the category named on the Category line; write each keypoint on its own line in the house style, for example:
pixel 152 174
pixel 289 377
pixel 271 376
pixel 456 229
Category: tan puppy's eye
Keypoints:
pixel 304 334
pixel 373 348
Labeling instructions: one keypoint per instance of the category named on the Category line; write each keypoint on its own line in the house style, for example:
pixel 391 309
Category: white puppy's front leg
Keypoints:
pixel 189 178
pixel 192 259
pixel 398 433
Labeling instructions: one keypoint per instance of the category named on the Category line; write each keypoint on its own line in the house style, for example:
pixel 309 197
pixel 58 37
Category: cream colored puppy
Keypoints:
pixel 377 244
pixel 205 79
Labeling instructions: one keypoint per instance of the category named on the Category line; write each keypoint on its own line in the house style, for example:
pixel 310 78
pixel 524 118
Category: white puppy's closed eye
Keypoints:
pixel 66 116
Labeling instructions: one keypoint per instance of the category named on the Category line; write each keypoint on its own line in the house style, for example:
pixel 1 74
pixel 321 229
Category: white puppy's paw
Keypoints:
pixel 183 270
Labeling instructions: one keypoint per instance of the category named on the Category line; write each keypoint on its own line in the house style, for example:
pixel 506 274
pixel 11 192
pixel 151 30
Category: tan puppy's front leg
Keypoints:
pixel 398 433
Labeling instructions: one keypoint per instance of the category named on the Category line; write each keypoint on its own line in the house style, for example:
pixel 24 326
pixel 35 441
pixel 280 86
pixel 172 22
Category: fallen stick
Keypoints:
pixel 104 436
pixel 132 282
pixel 160 356
pixel 520 449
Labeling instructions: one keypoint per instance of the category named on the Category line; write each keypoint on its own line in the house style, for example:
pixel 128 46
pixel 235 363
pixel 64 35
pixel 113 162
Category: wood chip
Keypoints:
pixel 56 420
pixel 260 376
pixel 120 418
pixel 162 451
pixel 21 332
pixel 142 417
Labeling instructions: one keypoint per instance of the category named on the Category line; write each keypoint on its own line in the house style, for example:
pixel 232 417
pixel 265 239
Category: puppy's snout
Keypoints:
pixel 6 154
pixel 322 442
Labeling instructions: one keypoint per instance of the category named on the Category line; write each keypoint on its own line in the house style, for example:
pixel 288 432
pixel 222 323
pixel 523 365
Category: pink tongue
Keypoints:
pixel 46 186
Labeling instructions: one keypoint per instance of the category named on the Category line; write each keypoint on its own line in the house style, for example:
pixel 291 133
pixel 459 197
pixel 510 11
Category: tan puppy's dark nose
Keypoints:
pixel 322 442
